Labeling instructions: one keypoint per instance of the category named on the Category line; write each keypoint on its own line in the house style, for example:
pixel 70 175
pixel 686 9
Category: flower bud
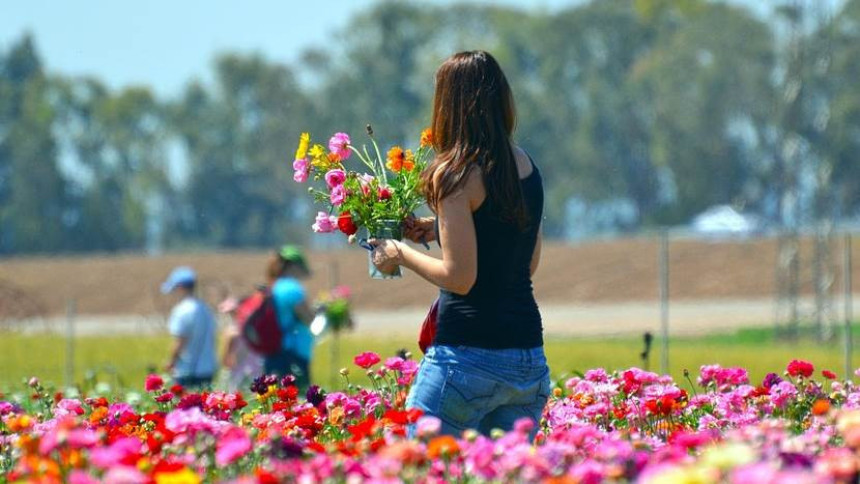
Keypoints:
pixel 344 371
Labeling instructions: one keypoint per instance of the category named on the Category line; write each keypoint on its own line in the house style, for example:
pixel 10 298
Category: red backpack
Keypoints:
pixel 258 323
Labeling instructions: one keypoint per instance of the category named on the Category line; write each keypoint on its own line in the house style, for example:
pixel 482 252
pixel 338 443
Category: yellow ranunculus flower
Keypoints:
pixel 182 476
pixel 727 456
pixel 304 141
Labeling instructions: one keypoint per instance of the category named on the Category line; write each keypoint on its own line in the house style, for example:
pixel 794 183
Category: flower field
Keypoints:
pixel 802 425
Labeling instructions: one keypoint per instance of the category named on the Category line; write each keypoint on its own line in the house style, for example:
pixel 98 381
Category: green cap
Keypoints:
pixel 293 254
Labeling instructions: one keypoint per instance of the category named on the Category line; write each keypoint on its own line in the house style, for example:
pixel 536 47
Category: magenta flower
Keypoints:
pixel 366 359
pixel 301 169
pixel 106 457
pixel 325 223
pixel 153 383
pixel 78 476
pixel 337 196
pixel 339 145
pixel 335 177
pixel 800 368
pixel 232 445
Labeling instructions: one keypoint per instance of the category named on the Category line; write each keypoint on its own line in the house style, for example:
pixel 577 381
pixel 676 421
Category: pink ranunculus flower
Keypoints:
pixel 325 223
pixel 301 169
pixel 395 363
pixel 335 177
pixel 427 426
pixel 78 476
pixel 153 383
pixel 301 164
pixel 107 456
pixel 339 145
pixel 337 196
pixel 232 445
pixel 366 359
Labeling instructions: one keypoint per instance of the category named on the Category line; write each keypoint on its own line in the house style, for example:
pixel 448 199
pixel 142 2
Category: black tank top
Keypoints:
pixel 500 310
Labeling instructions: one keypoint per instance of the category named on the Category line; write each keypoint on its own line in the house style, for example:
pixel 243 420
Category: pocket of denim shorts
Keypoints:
pixel 466 397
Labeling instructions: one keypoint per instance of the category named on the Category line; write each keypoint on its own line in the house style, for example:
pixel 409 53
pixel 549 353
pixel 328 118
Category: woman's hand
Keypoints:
pixel 387 254
pixel 419 229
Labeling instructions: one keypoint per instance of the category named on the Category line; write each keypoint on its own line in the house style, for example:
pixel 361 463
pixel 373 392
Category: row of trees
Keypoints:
pixel 667 107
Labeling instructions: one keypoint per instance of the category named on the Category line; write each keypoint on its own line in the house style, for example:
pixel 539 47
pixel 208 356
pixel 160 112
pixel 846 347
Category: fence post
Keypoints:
pixel 71 309
pixel 664 300
pixel 848 301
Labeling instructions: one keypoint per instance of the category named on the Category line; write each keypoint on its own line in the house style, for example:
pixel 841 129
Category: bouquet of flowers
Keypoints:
pixel 377 196
pixel 334 307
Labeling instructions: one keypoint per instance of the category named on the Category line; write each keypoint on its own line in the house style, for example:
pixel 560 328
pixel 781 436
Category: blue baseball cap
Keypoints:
pixel 181 276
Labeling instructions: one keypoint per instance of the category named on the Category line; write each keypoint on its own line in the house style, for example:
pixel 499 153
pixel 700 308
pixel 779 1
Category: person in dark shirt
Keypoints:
pixel 486 367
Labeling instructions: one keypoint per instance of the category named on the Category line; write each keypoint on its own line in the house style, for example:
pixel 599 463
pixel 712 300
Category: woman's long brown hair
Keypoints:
pixel 473 119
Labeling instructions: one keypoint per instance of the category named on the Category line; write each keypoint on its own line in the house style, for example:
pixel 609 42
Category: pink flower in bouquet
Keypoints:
pixel 153 383
pixel 325 223
pixel 366 359
pixel 338 195
pixel 301 167
pixel 335 177
pixel 343 292
pixel 339 145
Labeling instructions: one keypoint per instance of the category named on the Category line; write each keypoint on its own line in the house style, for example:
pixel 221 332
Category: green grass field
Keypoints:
pixel 123 361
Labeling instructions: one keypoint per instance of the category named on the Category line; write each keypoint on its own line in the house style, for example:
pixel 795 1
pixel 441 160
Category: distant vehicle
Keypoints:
pixel 726 221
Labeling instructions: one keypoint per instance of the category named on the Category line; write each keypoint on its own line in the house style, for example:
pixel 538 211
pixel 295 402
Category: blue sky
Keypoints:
pixel 164 43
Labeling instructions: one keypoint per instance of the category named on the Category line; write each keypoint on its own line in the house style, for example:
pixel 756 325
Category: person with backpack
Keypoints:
pixel 192 360
pixel 286 268
pixel 240 362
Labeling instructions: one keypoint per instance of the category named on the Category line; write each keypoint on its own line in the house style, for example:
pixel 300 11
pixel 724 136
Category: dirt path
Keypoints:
pixel 687 318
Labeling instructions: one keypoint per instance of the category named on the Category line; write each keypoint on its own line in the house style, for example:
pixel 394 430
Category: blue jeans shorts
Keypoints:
pixel 481 389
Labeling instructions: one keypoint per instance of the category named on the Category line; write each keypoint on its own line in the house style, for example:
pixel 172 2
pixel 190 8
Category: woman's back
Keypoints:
pixel 500 310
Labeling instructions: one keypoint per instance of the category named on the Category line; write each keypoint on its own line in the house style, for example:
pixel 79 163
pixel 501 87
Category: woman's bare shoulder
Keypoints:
pixel 524 163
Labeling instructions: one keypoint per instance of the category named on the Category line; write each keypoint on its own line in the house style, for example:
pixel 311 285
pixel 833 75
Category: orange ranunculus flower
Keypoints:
pixel 409 161
pixel 98 415
pixel 820 407
pixel 396 157
pixel 443 446
pixel 426 138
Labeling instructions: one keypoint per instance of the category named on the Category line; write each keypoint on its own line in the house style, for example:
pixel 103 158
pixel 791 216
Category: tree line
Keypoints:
pixel 661 107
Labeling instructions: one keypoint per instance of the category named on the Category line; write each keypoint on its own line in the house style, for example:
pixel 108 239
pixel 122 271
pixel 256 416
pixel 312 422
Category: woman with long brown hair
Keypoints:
pixel 486 367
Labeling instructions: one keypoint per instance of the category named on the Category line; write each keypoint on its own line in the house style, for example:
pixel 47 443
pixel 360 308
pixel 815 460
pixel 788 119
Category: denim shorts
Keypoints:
pixel 481 389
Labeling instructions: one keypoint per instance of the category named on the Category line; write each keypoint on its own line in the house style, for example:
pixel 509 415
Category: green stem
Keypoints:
pixel 379 157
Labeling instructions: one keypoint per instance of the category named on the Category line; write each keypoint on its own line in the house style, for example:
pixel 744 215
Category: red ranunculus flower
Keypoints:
pixel 153 383
pixel 829 374
pixel 345 224
pixel 366 359
pixel 800 368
